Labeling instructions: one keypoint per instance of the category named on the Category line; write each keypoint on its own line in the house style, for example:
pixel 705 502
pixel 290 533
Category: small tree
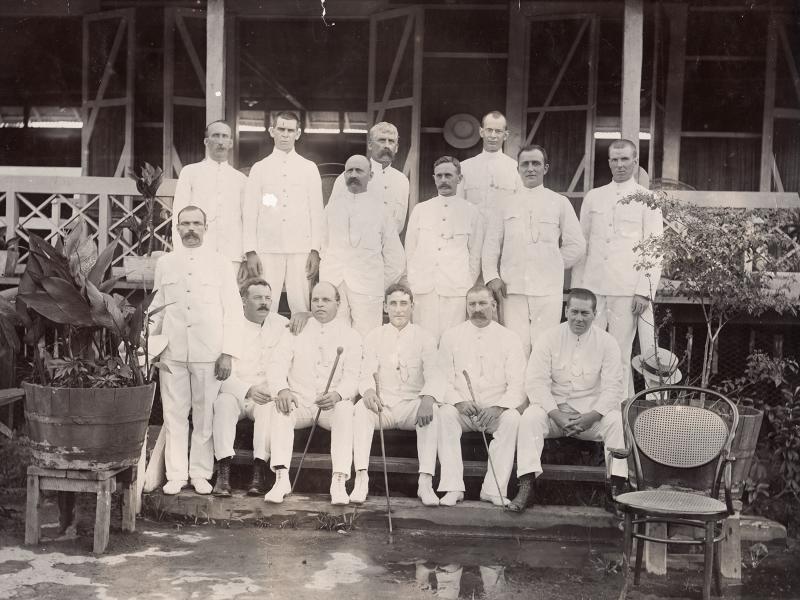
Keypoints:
pixel 147 182
pixel 723 259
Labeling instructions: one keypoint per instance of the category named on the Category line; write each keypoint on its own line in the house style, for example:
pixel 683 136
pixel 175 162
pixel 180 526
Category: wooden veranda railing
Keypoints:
pixel 49 206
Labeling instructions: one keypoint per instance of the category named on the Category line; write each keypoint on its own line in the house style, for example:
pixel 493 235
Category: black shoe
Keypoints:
pixel 222 486
pixel 258 485
pixel 524 496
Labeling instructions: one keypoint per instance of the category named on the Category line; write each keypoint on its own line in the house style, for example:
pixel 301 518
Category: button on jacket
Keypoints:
pixel 612 230
pixel 492 356
pixel 303 363
pixel 488 177
pixel 443 246
pixel 204 316
pixel 218 189
pixel 387 184
pixel 406 361
pixel 360 245
pixel 258 344
pixel 283 209
pixel 582 371
pixel 524 233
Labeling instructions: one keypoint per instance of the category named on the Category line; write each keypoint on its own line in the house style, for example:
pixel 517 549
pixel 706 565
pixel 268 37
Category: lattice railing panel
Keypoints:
pixel 125 208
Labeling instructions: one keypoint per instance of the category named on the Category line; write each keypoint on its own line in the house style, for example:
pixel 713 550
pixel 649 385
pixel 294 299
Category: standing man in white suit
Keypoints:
pixel 202 321
pixel 612 229
pixel 216 187
pixel 283 216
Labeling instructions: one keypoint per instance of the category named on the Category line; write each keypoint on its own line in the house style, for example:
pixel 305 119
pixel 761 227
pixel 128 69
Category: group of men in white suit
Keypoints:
pixel 441 365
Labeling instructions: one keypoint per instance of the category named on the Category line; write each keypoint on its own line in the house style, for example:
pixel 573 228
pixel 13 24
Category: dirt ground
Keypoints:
pixel 178 560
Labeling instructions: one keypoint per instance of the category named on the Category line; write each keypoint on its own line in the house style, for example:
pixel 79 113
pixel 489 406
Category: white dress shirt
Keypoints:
pixel 218 189
pixel 204 316
pixel 488 177
pixel 492 356
pixel 523 234
pixel 303 362
pixel 406 361
pixel 258 344
pixel 443 246
pixel 283 208
pixel 360 245
pixel 582 371
pixel 612 230
pixel 387 184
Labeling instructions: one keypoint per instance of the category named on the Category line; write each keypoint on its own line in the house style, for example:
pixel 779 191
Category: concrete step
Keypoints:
pixel 408 514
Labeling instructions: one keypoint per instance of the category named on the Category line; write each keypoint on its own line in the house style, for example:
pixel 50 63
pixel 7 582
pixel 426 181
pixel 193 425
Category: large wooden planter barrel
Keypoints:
pixel 744 443
pixel 88 429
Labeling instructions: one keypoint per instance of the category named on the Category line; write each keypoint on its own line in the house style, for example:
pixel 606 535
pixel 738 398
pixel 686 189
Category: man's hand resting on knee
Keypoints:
pixel 259 394
pixel 284 401
pixel 371 401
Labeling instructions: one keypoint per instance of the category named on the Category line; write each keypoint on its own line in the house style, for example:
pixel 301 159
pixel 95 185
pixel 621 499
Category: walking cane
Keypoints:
pixel 383 454
pixel 339 351
pixel 485 443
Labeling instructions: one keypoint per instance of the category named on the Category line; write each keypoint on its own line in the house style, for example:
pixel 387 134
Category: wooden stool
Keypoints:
pixel 104 483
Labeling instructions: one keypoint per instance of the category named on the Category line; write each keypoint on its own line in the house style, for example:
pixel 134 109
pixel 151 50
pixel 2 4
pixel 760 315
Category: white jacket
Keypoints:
pixel 283 208
pixel 406 361
pixel 443 246
pixel 204 315
pixel 360 245
pixel 388 185
pixel 584 372
pixel 612 230
pixel 258 344
pixel 523 236
pixel 494 359
pixel 488 177
pixel 302 363
pixel 218 189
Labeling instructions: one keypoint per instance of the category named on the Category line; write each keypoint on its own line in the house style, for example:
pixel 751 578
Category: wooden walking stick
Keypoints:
pixel 339 351
pixel 485 442
pixel 383 454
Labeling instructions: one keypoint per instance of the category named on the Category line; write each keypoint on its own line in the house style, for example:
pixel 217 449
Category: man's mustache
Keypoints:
pixel 263 307
pixel 352 180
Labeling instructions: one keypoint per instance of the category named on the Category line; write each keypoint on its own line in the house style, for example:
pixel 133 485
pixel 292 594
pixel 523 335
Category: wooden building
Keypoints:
pixel 709 87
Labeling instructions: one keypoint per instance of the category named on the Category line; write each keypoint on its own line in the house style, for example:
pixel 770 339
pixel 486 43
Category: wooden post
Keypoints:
pixel 768 124
pixel 730 549
pixel 632 70
pixel 215 60
pixel 655 555
pixel 169 85
pixel 516 79
pixel 32 511
pixel 676 72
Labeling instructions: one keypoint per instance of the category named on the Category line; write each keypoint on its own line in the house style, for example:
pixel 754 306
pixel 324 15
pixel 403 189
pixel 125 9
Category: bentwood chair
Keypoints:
pixel 678 444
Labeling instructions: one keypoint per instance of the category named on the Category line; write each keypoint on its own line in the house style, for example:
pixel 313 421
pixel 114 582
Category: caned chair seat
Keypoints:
pixel 671 502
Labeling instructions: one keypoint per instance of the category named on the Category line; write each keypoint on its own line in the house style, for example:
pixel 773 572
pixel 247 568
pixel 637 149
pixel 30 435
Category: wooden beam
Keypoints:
pixel 767 123
pixel 591 99
pixel 516 78
pixel 633 42
pixel 398 59
pixel 232 56
pixel 412 162
pixel 676 73
pixel 215 60
pixel 169 92
pixel 655 74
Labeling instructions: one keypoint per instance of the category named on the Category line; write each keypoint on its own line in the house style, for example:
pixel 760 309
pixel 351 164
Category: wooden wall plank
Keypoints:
pixel 215 60
pixel 676 72
pixel 768 120
pixel 633 43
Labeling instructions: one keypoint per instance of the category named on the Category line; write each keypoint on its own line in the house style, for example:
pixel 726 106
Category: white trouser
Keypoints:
pixel 363 312
pixel 536 426
pixel 438 313
pixel 228 411
pixel 615 312
pixel 188 386
pixel 338 420
pixel 402 415
pixel 501 449
pixel 291 270
pixel 531 316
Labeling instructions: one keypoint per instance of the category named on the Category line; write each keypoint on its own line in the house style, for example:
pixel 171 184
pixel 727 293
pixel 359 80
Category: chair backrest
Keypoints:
pixel 677 435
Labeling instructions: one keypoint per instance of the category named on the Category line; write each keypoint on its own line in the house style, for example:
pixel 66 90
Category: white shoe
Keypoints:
pixel 338 493
pixel 425 492
pixel 451 498
pixel 174 486
pixel 201 486
pixel 361 488
pixel 495 499
pixel 282 487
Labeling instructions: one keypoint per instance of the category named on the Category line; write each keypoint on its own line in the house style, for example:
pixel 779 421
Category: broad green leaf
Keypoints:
pixel 69 300
pixel 100 268
pixel 43 304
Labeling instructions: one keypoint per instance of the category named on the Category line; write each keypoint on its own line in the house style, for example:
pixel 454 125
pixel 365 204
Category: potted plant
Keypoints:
pixel 89 404
pixel 142 268
pixel 727 262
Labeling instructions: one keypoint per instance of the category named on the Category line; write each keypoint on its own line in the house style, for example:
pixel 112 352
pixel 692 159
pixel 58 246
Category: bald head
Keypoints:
pixel 324 301
pixel 357 173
